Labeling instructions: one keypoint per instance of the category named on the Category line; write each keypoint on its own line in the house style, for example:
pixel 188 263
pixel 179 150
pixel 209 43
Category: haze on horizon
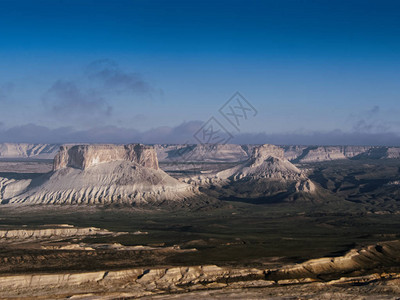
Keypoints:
pixel 318 72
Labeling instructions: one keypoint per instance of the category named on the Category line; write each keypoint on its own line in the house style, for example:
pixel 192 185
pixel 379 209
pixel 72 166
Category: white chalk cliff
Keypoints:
pixel 266 164
pixel 201 153
pixel 22 150
pixel 103 174
pixel 219 152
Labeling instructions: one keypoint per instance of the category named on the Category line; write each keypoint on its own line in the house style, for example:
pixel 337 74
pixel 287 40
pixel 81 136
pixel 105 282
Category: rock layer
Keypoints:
pixel 219 152
pixel 201 153
pixel 376 264
pixel 22 150
pixel 266 161
pixel 106 174
pixel 63 231
pixel 306 154
pixel 85 156
pixel 11 187
pixel 266 172
pixel 106 183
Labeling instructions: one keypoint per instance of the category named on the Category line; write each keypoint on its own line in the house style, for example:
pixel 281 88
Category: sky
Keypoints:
pixel 307 72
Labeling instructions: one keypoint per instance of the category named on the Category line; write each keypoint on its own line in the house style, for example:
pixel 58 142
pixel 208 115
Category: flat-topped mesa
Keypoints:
pixel 85 156
pixel 262 152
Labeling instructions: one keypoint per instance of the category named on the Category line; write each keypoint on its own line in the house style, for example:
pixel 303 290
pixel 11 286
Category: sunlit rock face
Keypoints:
pixel 107 174
pixel 85 156
pixel 266 161
pixel 201 153
pixel 260 153
pixel 23 150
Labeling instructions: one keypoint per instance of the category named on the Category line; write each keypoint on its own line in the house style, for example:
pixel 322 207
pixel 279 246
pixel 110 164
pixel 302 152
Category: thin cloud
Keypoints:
pixel 183 133
pixel 6 90
pixel 108 73
pixel 90 97
pixel 370 121
pixel 66 98
pixel 334 137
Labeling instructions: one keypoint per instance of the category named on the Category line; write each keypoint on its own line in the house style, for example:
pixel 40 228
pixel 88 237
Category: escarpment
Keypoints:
pixel 107 174
pixel 265 174
pixel 85 156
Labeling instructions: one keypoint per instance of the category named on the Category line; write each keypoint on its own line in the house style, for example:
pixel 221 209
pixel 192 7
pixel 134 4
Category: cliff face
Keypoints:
pixel 206 152
pixel 267 174
pixel 265 162
pixel 85 156
pixel 23 150
pixel 201 153
pixel 105 174
pixel 268 161
pixel 261 153
pixel 305 154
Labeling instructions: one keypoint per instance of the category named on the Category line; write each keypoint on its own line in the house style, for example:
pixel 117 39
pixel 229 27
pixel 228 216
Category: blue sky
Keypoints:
pixel 96 69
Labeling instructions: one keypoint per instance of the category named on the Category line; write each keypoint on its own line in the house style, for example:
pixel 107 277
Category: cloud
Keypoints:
pixel 334 137
pixel 6 90
pixel 112 77
pixel 65 98
pixel 370 121
pixel 91 96
pixel 31 133
pixel 373 111
pixel 183 133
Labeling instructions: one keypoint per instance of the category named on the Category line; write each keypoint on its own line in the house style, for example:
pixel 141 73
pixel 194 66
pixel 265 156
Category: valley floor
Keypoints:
pixel 345 246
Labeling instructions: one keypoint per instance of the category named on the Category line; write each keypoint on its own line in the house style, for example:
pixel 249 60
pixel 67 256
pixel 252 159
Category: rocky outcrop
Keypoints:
pixel 201 153
pixel 373 266
pixel 107 183
pixel 306 154
pixel 393 152
pixel 306 186
pixel 11 187
pixel 265 174
pixel 62 231
pixel 137 282
pixel 266 161
pixel 218 152
pixel 85 156
pixel 21 150
pixel 380 153
pixel 108 174
pixel 369 258
pixel 293 152
pixel 322 153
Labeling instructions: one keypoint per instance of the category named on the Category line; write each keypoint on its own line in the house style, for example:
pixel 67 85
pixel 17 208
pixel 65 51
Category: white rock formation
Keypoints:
pixel 393 152
pixel 217 152
pixel 50 233
pixel 322 153
pixel 85 156
pixel 127 174
pixel 364 259
pixel 305 154
pixel 11 187
pixel 201 153
pixel 267 162
pixel 21 150
pixel 293 152
pixel 322 279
